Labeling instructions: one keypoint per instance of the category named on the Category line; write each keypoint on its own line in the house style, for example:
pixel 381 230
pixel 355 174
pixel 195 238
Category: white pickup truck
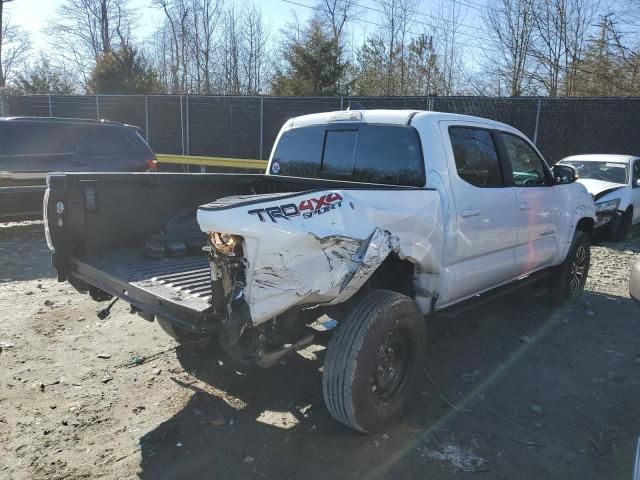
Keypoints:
pixel 372 218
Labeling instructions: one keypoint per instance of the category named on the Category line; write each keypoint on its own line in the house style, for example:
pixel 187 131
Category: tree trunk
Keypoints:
pixel 2 82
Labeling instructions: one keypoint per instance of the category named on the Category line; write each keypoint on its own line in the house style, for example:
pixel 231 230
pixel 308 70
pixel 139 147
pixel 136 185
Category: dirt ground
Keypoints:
pixel 511 390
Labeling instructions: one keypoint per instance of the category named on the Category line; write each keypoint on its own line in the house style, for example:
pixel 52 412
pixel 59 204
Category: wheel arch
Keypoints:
pixel 394 274
pixel 585 225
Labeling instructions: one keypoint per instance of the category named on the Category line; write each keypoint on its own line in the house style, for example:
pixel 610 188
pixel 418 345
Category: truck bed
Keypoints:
pixel 98 225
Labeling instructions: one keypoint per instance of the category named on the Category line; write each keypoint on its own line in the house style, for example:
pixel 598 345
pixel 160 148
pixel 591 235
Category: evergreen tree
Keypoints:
pixel 123 71
pixel 43 78
pixel 314 64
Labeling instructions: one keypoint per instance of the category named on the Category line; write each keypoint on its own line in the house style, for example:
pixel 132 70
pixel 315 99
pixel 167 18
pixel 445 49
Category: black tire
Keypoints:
pixel 570 277
pixel 374 360
pixel 182 336
pixel 620 226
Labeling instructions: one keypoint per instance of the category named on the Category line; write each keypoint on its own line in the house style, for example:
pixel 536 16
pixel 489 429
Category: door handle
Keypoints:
pixel 80 164
pixel 525 206
pixel 470 212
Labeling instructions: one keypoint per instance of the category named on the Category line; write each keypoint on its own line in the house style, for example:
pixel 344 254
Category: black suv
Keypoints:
pixel 30 147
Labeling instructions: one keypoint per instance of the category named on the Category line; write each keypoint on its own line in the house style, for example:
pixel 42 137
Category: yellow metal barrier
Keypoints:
pixel 249 163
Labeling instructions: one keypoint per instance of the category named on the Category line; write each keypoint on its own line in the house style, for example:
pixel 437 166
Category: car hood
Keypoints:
pixel 599 188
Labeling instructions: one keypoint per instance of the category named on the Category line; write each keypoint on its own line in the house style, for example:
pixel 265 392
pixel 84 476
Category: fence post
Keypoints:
pixel 261 123
pixel 50 109
pixel 430 102
pixel 4 105
pixel 535 131
pixel 341 102
pixel 146 116
pixel 97 108
pixel 187 148
pixel 181 126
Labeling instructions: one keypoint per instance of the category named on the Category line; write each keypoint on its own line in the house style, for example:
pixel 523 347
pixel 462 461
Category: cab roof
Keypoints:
pixel 393 117
pixel 600 157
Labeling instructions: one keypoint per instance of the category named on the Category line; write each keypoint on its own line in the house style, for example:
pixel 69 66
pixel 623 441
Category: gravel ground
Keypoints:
pixel 511 389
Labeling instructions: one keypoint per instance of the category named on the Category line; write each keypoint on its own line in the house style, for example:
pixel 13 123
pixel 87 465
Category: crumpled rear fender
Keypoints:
pixel 296 254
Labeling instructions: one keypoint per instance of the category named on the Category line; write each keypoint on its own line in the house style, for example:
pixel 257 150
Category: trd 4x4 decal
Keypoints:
pixel 306 208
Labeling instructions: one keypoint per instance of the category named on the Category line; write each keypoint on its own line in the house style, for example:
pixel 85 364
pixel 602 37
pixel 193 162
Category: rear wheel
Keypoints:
pixel 620 226
pixel 570 277
pixel 183 337
pixel 374 360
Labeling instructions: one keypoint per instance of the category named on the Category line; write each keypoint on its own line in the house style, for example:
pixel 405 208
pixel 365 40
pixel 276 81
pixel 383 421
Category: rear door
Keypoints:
pixel 539 204
pixel 486 215
pixel 32 149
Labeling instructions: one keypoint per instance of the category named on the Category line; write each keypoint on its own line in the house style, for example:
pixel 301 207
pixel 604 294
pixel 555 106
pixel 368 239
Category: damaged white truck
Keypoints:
pixel 372 218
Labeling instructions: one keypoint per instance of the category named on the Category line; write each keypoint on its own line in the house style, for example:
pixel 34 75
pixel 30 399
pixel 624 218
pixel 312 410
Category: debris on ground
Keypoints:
pixel 106 378
pixel 461 458
pixel 536 408
pixel 104 355
pixel 248 459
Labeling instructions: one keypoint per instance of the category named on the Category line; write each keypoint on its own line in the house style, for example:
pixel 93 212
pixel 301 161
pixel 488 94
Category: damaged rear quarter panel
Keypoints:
pixel 325 257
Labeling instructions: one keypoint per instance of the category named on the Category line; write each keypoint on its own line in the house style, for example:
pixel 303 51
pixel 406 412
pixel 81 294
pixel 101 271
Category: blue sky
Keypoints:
pixel 34 15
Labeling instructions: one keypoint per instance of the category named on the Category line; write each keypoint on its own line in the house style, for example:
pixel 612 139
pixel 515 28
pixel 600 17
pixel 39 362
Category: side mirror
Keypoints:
pixel 563 174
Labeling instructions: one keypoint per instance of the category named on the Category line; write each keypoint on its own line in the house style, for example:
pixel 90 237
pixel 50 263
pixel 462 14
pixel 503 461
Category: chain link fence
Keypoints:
pixel 246 127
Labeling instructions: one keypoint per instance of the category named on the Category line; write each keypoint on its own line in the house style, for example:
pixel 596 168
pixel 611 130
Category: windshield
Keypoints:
pixel 607 171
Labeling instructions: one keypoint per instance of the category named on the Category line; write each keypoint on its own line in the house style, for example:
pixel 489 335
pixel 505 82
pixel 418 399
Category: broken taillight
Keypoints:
pixel 153 164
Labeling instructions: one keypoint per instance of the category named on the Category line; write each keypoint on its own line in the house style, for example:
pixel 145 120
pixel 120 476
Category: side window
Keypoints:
pixel 476 156
pixel 528 168
pixel 104 140
pixel 389 154
pixel 38 139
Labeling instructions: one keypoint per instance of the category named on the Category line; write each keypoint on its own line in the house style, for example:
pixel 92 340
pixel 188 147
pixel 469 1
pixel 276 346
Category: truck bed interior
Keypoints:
pixel 108 219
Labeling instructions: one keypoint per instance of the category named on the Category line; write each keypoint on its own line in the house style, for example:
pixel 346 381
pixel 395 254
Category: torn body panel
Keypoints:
pixel 316 248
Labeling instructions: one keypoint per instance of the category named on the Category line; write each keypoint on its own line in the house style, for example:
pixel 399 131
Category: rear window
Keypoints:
pixel 30 139
pixel 388 154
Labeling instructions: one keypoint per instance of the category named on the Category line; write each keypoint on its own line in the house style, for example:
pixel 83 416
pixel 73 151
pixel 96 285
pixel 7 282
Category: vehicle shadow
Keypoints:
pixel 632 243
pixel 273 424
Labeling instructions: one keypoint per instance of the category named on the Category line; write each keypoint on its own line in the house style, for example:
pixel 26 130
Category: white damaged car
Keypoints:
pixel 614 183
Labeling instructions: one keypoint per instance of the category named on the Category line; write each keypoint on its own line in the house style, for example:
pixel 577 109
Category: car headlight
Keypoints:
pixel 608 206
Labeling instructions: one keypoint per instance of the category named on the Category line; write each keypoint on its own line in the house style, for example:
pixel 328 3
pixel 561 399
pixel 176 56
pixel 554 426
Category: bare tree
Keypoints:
pixel 255 53
pixel 561 28
pixel 175 39
pixel 449 19
pixel 397 16
pixel 2 40
pixel 82 30
pixel 336 15
pixel 510 26
pixel 14 47
pixel 206 17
